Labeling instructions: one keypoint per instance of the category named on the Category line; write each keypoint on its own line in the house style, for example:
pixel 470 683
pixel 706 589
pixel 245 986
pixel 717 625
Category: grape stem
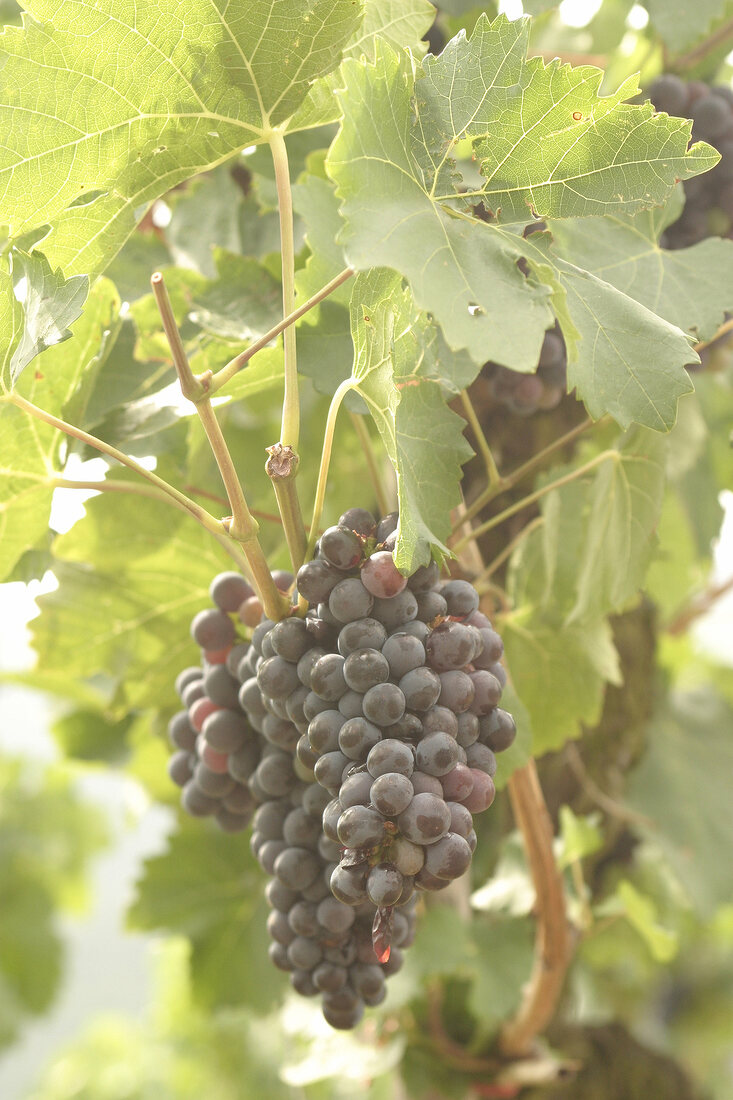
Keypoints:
pixel 320 496
pixel 241 525
pixel 721 332
pixel 713 42
pixel 699 605
pixel 227 372
pixel 553 943
pixel 506 553
pixel 519 505
pixel 492 471
pixel 510 480
pixel 367 446
pixel 161 489
pixel 290 429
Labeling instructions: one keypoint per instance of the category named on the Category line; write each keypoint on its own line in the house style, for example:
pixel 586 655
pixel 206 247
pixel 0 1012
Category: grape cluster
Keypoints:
pixel 708 198
pixel 360 740
pixel 524 394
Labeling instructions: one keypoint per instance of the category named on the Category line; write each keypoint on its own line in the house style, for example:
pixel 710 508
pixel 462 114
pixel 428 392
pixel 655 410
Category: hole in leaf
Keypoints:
pixel 476 310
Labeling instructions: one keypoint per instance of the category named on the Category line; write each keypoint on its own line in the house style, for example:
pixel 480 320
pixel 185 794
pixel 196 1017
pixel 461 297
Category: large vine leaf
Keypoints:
pixel 50 304
pixel 585 559
pixel 559 674
pixel 691 288
pixel 619 537
pixel 61 384
pixel 392 169
pixel 48 837
pixel 131 574
pixel 469 280
pixel 683 785
pixel 397 372
pixel 98 124
pixel 207 886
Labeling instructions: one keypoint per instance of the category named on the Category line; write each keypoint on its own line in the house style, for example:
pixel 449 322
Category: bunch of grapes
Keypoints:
pixel 360 740
pixel 708 198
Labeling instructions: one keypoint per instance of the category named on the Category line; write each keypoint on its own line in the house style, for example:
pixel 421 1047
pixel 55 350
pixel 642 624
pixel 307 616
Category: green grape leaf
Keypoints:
pixel 559 673
pixel 624 508
pixel 682 785
pixel 579 836
pixel 629 362
pixel 48 836
pixel 640 911
pixel 396 371
pixel 207 886
pixel 244 300
pixel 399 22
pixel 488 288
pixel 132 574
pixel 680 24
pixel 468 279
pixel 60 385
pixel 50 304
pixel 689 287
pixel 98 125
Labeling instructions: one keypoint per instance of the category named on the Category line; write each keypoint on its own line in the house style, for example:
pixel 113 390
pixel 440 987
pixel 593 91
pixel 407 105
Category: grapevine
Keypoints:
pixel 371 341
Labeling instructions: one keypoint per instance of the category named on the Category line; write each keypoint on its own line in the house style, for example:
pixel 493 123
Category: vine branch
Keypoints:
pixel 553 945
pixel 519 505
pixel 227 372
pixel 241 525
pixel 718 38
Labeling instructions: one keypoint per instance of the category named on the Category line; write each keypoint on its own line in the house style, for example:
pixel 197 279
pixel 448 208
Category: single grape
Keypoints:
pixel 341 547
pixel 225 730
pixel 482 794
pixel 461 597
pixel 497 730
pixel 228 590
pixel 439 719
pixel 350 601
pixel 450 645
pixel 407 856
pixel 457 784
pixel 384 884
pixel 323 731
pixel 316 580
pixel 391 793
pixel 296 867
pixel 421 688
pixel 361 634
pixel 437 754
pixel 360 827
pixel 335 916
pixel 381 577
pixel 329 769
pixel 424 578
pixel 277 678
pixel 481 757
pixel 390 755
pixel 357 737
pixel 457 691
pixel 384 704
pixel 181 732
pixel 212 629
pixel 358 520
pixel 425 820
pixel 397 610
pixel 364 668
pixel 449 857
pixel 214 784
pixel 350 704
pixel 422 783
pixel 356 790
pixel 180 767
pixel 327 677
pixel 403 652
